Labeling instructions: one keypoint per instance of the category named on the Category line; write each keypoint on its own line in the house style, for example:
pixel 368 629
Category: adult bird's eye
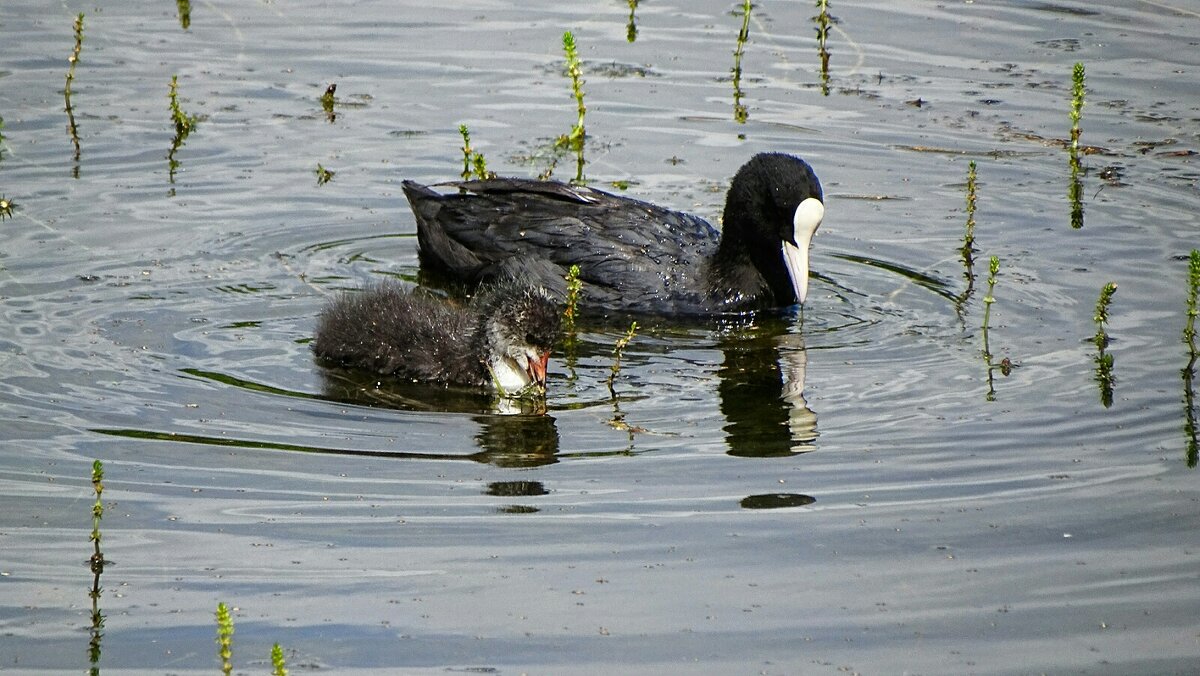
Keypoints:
pixel 529 339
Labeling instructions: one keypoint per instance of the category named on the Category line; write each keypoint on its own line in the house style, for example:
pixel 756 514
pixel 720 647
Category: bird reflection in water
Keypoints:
pixel 512 432
pixel 762 390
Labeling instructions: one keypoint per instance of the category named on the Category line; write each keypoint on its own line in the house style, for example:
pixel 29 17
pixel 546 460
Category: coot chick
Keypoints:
pixel 633 256
pixel 501 339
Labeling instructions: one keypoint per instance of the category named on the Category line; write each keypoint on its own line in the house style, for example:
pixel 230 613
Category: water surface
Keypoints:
pixel 839 490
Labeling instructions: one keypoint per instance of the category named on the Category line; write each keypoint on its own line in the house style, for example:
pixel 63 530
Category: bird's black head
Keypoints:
pixel 774 205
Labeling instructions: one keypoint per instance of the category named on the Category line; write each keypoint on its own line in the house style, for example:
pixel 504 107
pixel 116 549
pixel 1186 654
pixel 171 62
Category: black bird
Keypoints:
pixel 501 339
pixel 633 256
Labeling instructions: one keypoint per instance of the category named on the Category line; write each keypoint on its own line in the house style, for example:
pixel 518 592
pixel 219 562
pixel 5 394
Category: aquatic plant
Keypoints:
pixel 574 286
pixel 1104 360
pixel 72 129
pixel 185 13
pixel 473 162
pixel 225 638
pixel 618 352
pixel 96 563
pixel 6 207
pixel 1192 452
pixel 968 247
pixel 969 236
pixel 1075 188
pixel 1077 91
pixel 184 125
pixel 1189 329
pixel 631 26
pixel 988 300
pixel 327 101
pixel 278 668
pixel 823 21
pixel 323 175
pixel 574 138
pixel 740 112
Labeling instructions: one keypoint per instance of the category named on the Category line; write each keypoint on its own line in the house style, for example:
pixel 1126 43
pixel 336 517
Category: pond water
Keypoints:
pixel 845 489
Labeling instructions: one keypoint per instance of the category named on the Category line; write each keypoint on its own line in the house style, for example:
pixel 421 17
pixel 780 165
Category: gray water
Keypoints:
pixel 839 490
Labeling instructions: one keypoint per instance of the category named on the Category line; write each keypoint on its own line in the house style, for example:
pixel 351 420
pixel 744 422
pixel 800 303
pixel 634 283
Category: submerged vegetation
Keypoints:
pixel 740 113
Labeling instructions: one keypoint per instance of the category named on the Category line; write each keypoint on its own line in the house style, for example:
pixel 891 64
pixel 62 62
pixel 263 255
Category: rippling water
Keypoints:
pixel 843 491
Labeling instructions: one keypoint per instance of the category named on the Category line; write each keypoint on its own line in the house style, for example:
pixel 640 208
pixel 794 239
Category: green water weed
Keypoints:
pixel 96 563
pixel 323 175
pixel 72 128
pixel 278 667
pixel 823 22
pixel 740 112
pixel 225 638
pixel 631 25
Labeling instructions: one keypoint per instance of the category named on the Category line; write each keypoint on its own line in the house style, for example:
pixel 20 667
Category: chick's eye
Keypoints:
pixel 529 340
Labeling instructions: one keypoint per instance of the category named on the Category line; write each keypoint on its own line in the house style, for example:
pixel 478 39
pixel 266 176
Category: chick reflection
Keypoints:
pixel 518 440
pixel 762 391
pixel 513 432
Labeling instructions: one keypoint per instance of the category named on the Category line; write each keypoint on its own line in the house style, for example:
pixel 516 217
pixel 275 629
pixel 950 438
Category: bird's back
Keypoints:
pixel 633 256
pixel 389 330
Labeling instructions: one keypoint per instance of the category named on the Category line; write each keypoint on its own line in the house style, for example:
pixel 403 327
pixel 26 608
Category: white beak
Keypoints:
pixel 795 256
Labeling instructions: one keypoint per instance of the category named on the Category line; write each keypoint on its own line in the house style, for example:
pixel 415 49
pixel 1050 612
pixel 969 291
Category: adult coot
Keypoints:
pixel 633 256
pixel 501 339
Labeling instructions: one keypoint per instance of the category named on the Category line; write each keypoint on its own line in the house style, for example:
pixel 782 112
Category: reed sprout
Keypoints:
pixel 96 563
pixel 1075 187
pixel 278 667
pixel 740 112
pixel 72 129
pixel 574 138
pixel 823 22
pixel 473 162
pixel 225 638
pixel 1077 92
